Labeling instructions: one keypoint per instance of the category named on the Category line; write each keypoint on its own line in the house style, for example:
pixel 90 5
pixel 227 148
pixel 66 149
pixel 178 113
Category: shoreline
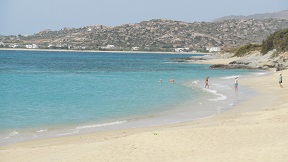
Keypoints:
pixel 248 130
pixel 94 51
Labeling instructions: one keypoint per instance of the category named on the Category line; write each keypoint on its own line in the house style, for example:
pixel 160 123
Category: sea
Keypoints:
pixel 46 94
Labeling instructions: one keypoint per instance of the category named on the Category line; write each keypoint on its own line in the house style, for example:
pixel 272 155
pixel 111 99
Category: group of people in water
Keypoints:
pixel 207 82
pixel 171 81
pixel 235 83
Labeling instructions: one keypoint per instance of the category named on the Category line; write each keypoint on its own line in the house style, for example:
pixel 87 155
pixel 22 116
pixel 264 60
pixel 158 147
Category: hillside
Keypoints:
pixel 272 53
pixel 155 35
pixel 275 15
pixel 277 41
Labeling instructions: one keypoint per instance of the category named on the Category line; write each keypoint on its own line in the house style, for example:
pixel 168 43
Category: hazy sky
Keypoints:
pixel 31 16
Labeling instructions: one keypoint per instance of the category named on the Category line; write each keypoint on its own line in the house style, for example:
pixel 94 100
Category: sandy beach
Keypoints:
pixel 256 130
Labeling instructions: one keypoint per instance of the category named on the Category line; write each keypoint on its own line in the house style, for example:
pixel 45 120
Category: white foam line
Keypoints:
pixel 101 125
pixel 42 130
pixel 14 133
pixel 5 138
pixel 230 77
pixel 259 73
pixel 64 134
pixel 196 82
pixel 220 96
pixel 222 86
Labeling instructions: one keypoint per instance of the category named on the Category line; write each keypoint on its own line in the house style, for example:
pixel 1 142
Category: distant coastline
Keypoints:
pixel 64 50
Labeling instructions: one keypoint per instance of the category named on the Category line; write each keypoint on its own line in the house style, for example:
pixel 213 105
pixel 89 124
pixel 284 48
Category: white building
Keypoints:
pixel 35 46
pixel 108 47
pixel 213 49
pixel 28 46
pixel 182 49
pixel 50 46
pixel 12 45
pixel 135 48
pixel 31 46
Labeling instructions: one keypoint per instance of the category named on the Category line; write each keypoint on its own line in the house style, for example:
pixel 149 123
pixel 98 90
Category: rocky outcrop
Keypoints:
pixel 257 61
pixel 233 66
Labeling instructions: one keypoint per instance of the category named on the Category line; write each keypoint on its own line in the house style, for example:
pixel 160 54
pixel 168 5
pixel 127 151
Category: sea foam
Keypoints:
pixel 14 133
pixel 230 77
pixel 42 130
pixel 101 125
pixel 196 82
pixel 259 73
pixel 220 96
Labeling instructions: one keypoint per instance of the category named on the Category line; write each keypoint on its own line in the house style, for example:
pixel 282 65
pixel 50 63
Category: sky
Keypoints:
pixel 27 17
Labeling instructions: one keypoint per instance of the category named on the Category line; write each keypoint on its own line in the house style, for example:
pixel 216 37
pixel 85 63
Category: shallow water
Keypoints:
pixel 46 94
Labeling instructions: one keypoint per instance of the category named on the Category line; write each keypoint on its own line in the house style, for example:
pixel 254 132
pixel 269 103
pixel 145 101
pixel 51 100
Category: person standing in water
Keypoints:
pixel 280 80
pixel 236 84
pixel 172 80
pixel 206 82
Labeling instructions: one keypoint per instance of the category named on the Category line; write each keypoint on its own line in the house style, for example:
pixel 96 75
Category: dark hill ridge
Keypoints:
pixel 156 35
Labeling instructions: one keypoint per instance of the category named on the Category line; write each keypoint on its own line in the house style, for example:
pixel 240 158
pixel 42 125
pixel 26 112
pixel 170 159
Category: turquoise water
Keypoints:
pixel 42 92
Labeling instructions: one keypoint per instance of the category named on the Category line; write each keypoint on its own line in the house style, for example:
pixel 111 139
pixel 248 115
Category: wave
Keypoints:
pixel 259 73
pixel 4 138
pixel 65 134
pixel 196 82
pixel 101 125
pixel 230 77
pixel 42 130
pixel 220 96
pixel 221 86
pixel 171 62
pixel 14 133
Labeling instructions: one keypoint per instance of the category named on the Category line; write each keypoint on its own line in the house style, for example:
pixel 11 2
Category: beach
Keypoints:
pixel 255 130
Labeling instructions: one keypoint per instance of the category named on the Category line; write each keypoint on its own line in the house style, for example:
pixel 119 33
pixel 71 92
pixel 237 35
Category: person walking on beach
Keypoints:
pixel 206 82
pixel 236 84
pixel 280 80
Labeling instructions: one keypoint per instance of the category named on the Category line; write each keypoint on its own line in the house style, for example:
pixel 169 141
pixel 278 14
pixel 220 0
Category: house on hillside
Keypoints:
pixel 12 45
pixel 181 49
pixel 135 48
pixel 108 47
pixel 213 49
pixel 30 46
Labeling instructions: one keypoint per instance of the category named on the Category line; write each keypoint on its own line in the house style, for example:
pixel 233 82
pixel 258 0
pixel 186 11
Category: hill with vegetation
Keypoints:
pixel 275 15
pixel 271 53
pixel 153 35
pixel 277 41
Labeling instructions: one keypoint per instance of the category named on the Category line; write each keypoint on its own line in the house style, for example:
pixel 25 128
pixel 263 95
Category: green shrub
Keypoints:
pixel 244 50
pixel 277 40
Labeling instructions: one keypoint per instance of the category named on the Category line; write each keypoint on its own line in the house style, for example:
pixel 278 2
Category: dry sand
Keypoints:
pixel 216 61
pixel 256 130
